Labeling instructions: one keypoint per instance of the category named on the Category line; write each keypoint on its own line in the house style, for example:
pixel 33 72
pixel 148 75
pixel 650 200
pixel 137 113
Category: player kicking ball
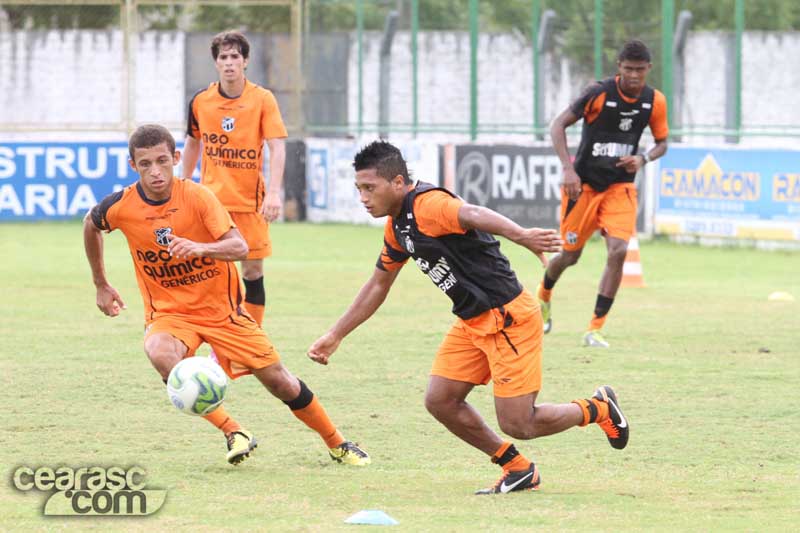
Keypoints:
pixel 183 244
pixel 498 333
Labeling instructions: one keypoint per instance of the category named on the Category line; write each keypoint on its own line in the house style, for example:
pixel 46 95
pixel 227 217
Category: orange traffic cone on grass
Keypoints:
pixel 632 268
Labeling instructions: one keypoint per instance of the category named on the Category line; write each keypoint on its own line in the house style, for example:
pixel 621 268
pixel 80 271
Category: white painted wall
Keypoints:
pixel 76 76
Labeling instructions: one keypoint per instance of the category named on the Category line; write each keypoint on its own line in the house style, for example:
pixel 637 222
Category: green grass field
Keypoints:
pixel 706 368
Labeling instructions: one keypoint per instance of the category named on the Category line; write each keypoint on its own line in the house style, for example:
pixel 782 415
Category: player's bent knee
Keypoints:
pixel 164 361
pixel 435 405
pixel 571 258
pixel 617 254
pixel 252 268
pixel 278 381
pixel 517 429
pixel 164 352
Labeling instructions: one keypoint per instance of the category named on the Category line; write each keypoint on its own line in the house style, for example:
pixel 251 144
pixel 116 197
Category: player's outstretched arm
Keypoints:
pixel 191 152
pixel 108 299
pixel 537 240
pixel 368 300
pixel 230 247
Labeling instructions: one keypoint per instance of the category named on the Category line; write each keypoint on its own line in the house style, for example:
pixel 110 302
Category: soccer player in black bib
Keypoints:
pixel 598 191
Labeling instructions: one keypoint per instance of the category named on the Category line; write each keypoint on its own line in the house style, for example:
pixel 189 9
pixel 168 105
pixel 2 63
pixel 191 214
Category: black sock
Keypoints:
pixel 602 306
pixel 254 292
pixel 507 456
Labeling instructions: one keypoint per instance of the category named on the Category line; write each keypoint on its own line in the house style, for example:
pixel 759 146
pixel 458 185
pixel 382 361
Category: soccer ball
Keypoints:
pixel 196 386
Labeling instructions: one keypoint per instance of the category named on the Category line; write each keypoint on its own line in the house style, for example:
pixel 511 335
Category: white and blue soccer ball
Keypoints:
pixel 197 385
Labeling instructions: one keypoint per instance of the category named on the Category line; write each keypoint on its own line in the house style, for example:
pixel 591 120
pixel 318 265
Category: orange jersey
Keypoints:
pixel 233 131
pixel 196 288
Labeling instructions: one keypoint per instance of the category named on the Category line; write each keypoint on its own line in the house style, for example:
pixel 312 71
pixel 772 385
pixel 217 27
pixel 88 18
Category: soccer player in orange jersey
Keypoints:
pixel 598 190
pixel 182 242
pixel 498 333
pixel 230 120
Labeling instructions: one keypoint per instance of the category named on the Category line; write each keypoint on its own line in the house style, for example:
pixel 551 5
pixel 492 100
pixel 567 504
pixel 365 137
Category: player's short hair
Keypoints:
pixel 385 158
pixel 230 38
pixel 634 50
pixel 149 135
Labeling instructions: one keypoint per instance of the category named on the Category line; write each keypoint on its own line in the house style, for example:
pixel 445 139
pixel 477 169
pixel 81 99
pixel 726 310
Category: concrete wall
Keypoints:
pixel 69 77
pixel 59 77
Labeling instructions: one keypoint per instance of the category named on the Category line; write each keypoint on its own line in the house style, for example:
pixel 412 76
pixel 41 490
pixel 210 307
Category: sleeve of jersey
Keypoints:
pixel 102 215
pixel 581 106
pixel 215 217
pixel 192 126
pixel 392 257
pixel 436 213
pixel 658 118
pixel 272 122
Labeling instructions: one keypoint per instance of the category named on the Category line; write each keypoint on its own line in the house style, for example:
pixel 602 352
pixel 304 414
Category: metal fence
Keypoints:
pixel 471 69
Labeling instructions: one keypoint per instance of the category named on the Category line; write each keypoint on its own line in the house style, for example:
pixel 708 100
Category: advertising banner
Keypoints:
pixel 62 180
pixel 330 178
pixel 59 180
pixel 520 182
pixel 736 193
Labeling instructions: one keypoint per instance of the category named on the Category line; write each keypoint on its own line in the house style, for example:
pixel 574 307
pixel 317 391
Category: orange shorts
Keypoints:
pixel 502 344
pixel 612 211
pixel 255 231
pixel 239 343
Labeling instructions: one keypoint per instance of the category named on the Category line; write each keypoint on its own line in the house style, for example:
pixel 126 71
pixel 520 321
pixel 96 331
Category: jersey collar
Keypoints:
pixel 147 200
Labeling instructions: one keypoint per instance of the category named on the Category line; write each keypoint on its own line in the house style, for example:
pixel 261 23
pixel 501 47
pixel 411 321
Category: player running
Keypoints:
pixel 598 190
pixel 498 333
pixel 183 242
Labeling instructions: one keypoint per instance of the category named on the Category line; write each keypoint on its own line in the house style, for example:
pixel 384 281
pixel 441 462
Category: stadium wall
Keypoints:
pixel 77 77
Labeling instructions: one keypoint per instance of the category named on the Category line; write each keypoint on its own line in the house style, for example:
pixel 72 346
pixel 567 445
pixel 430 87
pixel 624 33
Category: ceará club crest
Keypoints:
pixel 228 123
pixel 163 236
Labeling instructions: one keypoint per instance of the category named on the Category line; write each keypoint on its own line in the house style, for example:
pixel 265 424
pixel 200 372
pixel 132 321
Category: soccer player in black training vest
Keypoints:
pixel 498 333
pixel 598 190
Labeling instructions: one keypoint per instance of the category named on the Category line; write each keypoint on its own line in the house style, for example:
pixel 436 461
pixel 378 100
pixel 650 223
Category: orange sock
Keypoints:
pixel 219 417
pixel 314 416
pixel 544 294
pixel 597 322
pixel 509 458
pixel 593 410
pixel 256 311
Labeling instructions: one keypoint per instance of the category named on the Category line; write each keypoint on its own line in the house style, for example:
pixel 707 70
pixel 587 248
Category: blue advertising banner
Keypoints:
pixel 59 180
pixel 729 193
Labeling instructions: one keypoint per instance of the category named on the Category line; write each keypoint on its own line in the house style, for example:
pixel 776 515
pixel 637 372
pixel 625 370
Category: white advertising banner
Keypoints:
pixel 330 178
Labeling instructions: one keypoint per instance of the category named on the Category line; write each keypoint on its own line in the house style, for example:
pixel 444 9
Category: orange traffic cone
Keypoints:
pixel 632 268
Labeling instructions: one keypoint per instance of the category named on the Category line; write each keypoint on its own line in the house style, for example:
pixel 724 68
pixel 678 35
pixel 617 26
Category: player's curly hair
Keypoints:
pixel 230 38
pixel 634 50
pixel 149 135
pixel 385 158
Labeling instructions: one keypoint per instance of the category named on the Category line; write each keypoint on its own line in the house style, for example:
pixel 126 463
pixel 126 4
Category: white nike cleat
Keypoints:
pixel 515 480
pixel 593 339
pixel 616 425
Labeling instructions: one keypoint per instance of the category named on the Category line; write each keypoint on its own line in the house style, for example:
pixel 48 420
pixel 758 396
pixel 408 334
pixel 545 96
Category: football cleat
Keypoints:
pixel 547 321
pixel 545 308
pixel 515 480
pixel 593 339
pixel 350 454
pixel 616 425
pixel 240 444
